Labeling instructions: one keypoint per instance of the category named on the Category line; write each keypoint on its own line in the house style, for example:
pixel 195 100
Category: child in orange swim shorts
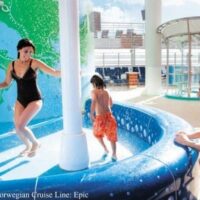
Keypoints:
pixel 104 123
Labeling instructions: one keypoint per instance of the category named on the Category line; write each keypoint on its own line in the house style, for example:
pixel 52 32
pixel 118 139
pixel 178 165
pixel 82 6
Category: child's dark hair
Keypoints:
pixel 97 81
pixel 24 43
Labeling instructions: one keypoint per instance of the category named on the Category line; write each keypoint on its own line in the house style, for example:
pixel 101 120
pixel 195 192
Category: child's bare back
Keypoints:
pixel 103 101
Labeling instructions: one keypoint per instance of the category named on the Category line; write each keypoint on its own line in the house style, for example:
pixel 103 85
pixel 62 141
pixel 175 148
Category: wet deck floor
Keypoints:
pixel 13 167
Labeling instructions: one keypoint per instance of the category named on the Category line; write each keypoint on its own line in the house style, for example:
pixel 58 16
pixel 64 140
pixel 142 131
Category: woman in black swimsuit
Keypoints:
pixel 28 103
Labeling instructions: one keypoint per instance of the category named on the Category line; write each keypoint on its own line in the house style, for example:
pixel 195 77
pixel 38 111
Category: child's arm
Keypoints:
pixel 93 105
pixel 110 101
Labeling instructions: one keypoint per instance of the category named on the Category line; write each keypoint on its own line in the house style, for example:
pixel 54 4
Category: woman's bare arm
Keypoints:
pixel 46 69
pixel 8 78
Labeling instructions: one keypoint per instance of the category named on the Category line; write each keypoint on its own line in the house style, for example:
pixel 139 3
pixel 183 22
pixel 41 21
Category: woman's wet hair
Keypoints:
pixel 24 43
pixel 97 81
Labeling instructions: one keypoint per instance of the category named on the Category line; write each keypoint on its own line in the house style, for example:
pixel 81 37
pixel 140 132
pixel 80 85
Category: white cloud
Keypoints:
pixel 114 14
pixel 179 2
pixel 173 2
pixel 164 2
pixel 86 6
pixel 130 2
pixel 194 1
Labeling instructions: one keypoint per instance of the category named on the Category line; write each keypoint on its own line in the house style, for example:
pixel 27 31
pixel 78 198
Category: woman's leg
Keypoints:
pixel 194 135
pixel 28 113
pixel 17 113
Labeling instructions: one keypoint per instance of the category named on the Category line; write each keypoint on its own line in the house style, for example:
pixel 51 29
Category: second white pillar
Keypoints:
pixel 153 47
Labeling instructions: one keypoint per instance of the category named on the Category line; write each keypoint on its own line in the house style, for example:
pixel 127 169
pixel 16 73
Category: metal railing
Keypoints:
pixel 136 57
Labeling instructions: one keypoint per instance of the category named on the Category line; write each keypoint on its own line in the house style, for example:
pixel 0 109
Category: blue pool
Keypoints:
pixel 150 166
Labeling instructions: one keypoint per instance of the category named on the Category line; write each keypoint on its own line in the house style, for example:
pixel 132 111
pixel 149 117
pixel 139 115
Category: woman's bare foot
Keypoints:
pixel 25 152
pixel 34 149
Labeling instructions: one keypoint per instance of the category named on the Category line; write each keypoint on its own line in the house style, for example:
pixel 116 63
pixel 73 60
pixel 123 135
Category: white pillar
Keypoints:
pixel 153 47
pixel 189 59
pixel 74 151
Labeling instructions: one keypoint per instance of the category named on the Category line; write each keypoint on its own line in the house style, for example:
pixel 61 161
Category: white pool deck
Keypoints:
pixel 13 167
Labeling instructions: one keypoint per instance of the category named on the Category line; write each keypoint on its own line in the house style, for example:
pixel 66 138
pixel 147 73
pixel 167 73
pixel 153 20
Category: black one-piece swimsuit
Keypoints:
pixel 27 90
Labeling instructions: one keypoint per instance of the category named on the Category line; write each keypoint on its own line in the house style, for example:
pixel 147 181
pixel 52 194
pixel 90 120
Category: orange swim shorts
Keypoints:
pixel 105 124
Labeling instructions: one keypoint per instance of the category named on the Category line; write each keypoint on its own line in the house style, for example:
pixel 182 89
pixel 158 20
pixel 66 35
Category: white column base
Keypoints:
pixel 74 152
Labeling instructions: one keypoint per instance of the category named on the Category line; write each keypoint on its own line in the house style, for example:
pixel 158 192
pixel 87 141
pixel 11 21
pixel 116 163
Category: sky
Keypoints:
pixel 130 10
